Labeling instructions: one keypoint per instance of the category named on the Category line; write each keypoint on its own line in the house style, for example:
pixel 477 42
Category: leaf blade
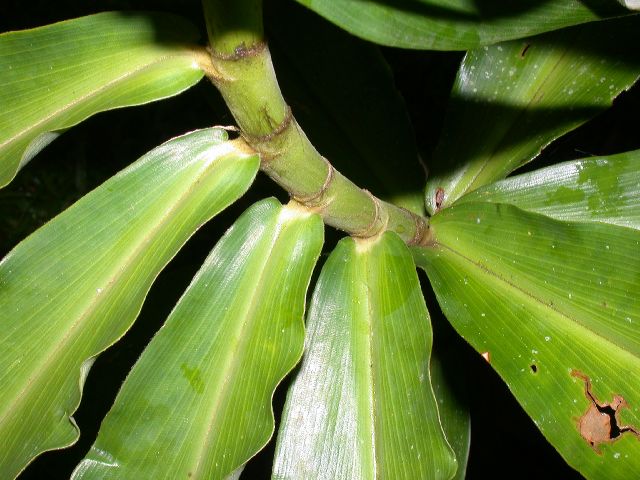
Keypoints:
pixel 55 76
pixel 455 25
pixel 602 189
pixel 511 100
pixel 448 379
pixel 361 405
pixel 198 395
pixel 548 299
pixel 95 263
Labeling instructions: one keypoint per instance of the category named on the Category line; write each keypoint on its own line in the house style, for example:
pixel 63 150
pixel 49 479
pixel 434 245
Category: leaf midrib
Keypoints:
pixel 514 122
pixel 367 274
pixel 567 317
pixel 233 361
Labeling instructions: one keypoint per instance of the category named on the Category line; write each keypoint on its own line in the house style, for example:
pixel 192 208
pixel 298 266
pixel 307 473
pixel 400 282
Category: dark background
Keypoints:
pixel 504 440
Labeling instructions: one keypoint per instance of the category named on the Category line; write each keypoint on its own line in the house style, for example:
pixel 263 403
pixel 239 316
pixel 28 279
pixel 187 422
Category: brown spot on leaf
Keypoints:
pixel 601 422
pixel 439 197
pixel 524 50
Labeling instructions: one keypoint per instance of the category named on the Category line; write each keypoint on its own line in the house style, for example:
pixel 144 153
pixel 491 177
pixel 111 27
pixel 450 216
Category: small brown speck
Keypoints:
pixel 439 197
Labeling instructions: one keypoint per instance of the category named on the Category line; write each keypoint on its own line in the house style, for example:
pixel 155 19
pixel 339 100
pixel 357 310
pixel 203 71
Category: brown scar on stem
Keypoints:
pixel 258 141
pixel 240 52
pixel 278 129
pixel 601 422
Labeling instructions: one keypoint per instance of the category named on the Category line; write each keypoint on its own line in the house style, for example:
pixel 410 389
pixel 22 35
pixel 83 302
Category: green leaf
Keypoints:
pixel 457 24
pixel 362 406
pixel 346 100
pixel 549 301
pixel 510 100
pixel 597 189
pixel 199 398
pixel 447 379
pixel 75 286
pixel 53 77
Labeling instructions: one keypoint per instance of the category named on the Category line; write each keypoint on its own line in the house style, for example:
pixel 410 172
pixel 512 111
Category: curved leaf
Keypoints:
pixel 601 189
pixel 552 303
pixel 53 77
pixel 362 406
pixel 199 398
pixel 74 287
pixel 457 24
pixel 511 100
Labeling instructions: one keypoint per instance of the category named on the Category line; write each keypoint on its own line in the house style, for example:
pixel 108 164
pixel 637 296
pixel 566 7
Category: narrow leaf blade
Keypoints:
pixel 553 303
pixel 362 405
pixel 457 24
pixel 510 100
pixel 596 189
pixel 74 287
pixel 53 77
pixel 199 398
pixel 447 378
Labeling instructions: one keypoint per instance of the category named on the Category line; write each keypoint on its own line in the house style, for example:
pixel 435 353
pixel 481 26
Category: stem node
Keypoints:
pixel 247 81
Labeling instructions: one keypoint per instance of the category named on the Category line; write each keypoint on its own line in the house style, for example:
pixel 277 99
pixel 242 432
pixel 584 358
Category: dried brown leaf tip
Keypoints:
pixel 601 422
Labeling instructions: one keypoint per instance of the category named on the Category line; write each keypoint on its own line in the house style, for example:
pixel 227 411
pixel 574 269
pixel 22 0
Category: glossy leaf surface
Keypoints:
pixel 362 405
pixel 553 303
pixel 198 402
pixel 53 77
pixel 75 286
pixel 456 24
pixel 344 95
pixel 596 189
pixel 511 100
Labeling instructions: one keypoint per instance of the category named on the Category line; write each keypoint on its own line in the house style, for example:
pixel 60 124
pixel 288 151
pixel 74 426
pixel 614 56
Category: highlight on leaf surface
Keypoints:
pixel 75 286
pixel 361 405
pixel 54 77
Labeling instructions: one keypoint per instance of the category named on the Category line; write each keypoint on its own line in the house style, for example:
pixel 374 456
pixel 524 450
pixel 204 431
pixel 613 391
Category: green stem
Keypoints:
pixel 243 72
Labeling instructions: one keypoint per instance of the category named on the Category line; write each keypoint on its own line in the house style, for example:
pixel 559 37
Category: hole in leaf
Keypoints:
pixel 534 368
pixel 601 422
